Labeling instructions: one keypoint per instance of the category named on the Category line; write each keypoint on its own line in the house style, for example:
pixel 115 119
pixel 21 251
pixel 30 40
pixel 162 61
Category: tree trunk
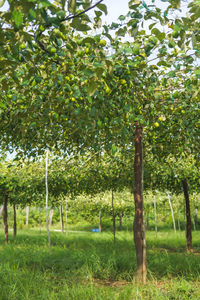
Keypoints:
pixel 66 217
pixel 113 217
pixel 172 212
pixel 5 217
pixel 184 216
pixel 147 220
pixel 27 215
pixel 188 217
pixel 61 219
pixel 195 213
pixel 194 224
pixel 47 198
pixel 138 226
pixel 196 217
pixel 51 217
pixel 1 211
pixel 15 221
pixel 120 220
pixel 40 222
pixel 179 225
pixel 100 227
pixel 155 215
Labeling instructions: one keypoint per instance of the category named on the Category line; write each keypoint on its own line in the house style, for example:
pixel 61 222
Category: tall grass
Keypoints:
pixel 89 266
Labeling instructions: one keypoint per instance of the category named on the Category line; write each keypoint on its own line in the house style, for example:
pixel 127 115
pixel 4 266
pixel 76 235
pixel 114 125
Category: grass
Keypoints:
pixel 89 266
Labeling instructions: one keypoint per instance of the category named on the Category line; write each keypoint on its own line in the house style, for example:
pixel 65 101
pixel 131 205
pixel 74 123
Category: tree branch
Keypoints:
pixel 82 12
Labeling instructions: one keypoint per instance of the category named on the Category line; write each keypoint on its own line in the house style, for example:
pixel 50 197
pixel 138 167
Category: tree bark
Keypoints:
pixel 61 219
pixel 66 217
pixel 155 214
pixel 14 221
pixel 100 227
pixel 50 216
pixel 195 213
pixel 147 219
pixel 113 218
pixel 120 220
pixel 188 216
pixel 1 211
pixel 47 200
pixel 27 215
pixel 172 211
pixel 179 225
pixel 138 226
pixel 5 217
pixel 40 221
pixel 194 224
pixel 196 217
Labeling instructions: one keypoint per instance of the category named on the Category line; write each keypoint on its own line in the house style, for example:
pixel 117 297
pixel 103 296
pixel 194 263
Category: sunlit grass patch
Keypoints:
pixel 91 266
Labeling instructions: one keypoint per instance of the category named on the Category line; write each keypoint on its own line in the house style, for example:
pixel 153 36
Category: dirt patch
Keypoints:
pixel 105 282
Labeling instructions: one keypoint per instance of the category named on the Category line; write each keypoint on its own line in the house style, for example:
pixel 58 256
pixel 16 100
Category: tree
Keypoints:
pixel 110 95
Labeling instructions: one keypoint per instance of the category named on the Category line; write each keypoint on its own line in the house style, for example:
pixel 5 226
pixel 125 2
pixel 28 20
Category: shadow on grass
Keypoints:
pixel 94 255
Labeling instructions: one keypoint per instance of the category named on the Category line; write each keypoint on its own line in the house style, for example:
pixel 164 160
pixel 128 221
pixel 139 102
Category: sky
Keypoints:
pixel 115 9
pixel 119 7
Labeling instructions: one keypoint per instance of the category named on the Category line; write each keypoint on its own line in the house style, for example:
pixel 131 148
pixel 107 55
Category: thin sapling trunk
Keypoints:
pixel 100 227
pixel 172 211
pixel 155 214
pixel 40 221
pixel 113 218
pixel 138 226
pixel 27 216
pixel 188 216
pixel 14 221
pixel 66 216
pixel 61 219
pixel 47 198
pixel 51 212
pixel 120 221
pixel 1 211
pixel 196 217
pixel 5 217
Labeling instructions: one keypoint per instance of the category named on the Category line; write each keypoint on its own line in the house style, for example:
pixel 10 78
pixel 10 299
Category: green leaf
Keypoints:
pixel 194 41
pixel 72 6
pixel 76 24
pixel 152 25
pixel 88 40
pixel 171 74
pixel 160 35
pixel 103 8
pixel 197 72
pixel 99 123
pixel 175 3
pixel 162 63
pixel 136 49
pixel 99 71
pixel 43 4
pixel 92 87
pixel 122 31
pixel 114 149
pixel 136 15
pixel 122 18
pixel 17 17
pixel 2 2
pixel 2 105
pixel 32 13
pixel 63 2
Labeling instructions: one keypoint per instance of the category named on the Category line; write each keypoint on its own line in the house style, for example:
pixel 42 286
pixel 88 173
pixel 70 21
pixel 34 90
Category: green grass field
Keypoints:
pixel 87 266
